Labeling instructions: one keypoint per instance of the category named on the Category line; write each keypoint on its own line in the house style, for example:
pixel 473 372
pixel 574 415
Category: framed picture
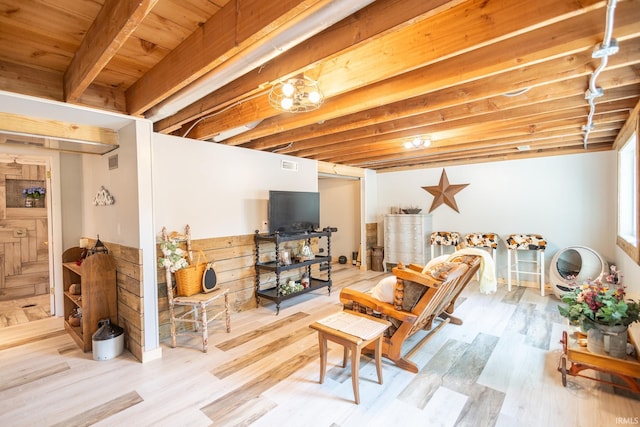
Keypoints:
pixel 285 258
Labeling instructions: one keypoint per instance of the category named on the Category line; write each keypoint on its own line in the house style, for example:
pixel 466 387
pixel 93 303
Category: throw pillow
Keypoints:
pixel 383 291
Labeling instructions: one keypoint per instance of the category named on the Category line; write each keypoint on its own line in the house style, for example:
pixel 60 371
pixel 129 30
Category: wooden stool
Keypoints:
pixel 353 332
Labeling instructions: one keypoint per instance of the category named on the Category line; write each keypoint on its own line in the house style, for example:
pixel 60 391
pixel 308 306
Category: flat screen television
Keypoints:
pixel 292 212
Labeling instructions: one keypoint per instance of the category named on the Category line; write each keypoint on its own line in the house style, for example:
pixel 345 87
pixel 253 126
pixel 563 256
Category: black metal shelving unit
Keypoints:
pixel 276 266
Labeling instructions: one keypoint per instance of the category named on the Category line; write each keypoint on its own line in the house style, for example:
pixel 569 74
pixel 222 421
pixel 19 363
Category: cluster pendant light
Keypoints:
pixel 296 95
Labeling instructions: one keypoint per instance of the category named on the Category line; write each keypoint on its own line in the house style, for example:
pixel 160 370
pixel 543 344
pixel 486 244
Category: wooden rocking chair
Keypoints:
pixel 436 300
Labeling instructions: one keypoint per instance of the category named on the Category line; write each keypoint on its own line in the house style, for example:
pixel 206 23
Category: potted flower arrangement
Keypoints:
pixel 173 257
pixel 32 195
pixel 601 310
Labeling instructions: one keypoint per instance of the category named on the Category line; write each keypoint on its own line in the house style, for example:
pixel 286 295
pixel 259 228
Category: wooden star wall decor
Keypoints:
pixel 444 193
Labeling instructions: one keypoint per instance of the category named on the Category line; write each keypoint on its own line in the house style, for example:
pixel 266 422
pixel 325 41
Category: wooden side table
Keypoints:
pixel 353 332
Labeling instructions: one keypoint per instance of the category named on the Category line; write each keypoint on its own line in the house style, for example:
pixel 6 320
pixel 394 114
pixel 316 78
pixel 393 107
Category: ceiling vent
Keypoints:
pixel 288 165
pixel 523 148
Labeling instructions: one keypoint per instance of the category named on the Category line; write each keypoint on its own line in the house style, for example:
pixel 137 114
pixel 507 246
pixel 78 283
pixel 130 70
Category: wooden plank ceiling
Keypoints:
pixel 481 79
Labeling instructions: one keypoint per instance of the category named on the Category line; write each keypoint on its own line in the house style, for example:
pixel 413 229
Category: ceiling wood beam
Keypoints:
pixel 434 39
pixel 445 105
pixel 543 129
pixel 372 21
pixel 30 81
pixel 511 155
pixel 236 27
pixel 533 120
pixel 110 30
pixel 468 153
pixel 440 75
pixel 48 84
pixel 23 125
pixel 498 155
pixel 554 138
pixel 497 108
pixel 629 127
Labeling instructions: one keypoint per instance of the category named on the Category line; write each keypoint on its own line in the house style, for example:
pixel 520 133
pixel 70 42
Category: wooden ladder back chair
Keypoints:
pixel 436 301
pixel 195 312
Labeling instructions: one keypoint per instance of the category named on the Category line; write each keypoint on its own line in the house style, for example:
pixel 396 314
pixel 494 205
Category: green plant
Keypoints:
pixel 290 287
pixel 33 192
pixel 174 257
pixel 598 303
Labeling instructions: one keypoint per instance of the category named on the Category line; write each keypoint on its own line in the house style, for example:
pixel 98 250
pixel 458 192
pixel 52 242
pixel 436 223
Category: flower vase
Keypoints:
pixel 35 203
pixel 28 202
pixel 608 340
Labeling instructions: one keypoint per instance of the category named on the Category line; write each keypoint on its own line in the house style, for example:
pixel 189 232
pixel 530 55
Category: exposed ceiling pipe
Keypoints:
pixel 250 59
pixel 608 47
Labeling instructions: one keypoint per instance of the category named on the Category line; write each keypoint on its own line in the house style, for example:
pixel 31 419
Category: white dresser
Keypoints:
pixel 406 239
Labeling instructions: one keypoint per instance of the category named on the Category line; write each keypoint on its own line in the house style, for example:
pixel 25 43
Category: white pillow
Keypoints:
pixel 385 289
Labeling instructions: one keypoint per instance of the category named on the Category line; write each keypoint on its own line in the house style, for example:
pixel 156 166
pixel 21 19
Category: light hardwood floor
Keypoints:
pixel 498 368
pixel 24 310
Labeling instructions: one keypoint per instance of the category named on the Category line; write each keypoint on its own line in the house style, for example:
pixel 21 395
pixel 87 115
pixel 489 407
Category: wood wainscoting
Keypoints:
pixel 130 294
pixel 234 259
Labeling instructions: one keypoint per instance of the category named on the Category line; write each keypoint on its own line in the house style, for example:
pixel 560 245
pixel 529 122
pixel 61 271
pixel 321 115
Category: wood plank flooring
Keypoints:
pixel 24 310
pixel 497 369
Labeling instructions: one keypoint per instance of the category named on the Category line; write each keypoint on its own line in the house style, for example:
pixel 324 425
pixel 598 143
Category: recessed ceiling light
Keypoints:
pixel 523 148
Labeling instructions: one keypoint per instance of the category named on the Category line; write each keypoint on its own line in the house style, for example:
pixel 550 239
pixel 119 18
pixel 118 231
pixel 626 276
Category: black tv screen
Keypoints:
pixel 293 212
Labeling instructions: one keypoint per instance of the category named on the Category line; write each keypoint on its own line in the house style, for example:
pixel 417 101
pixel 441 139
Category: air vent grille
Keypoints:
pixel 289 165
pixel 113 162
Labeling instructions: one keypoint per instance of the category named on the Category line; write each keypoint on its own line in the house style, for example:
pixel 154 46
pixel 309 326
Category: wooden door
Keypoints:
pixel 24 255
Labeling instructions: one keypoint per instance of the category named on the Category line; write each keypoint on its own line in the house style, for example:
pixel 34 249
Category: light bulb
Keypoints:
pixel 408 144
pixel 286 103
pixel 287 89
pixel 314 96
pixel 426 142
pixel 417 142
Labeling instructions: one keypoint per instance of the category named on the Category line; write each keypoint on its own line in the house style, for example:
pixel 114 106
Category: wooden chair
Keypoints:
pixel 436 300
pixel 195 312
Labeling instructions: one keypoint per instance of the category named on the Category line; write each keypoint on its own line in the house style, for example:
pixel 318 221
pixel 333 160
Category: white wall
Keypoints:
pixel 219 190
pixel 72 184
pixel 340 207
pixel 567 199
pixel 371 196
pixel 118 222
pixel 630 272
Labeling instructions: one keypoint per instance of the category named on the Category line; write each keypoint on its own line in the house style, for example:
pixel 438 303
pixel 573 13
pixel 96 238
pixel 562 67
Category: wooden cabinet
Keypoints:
pixel 406 238
pixel 96 276
pixel 275 264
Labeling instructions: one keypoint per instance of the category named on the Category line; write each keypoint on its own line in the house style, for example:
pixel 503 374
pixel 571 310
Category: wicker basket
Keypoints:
pixel 189 279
